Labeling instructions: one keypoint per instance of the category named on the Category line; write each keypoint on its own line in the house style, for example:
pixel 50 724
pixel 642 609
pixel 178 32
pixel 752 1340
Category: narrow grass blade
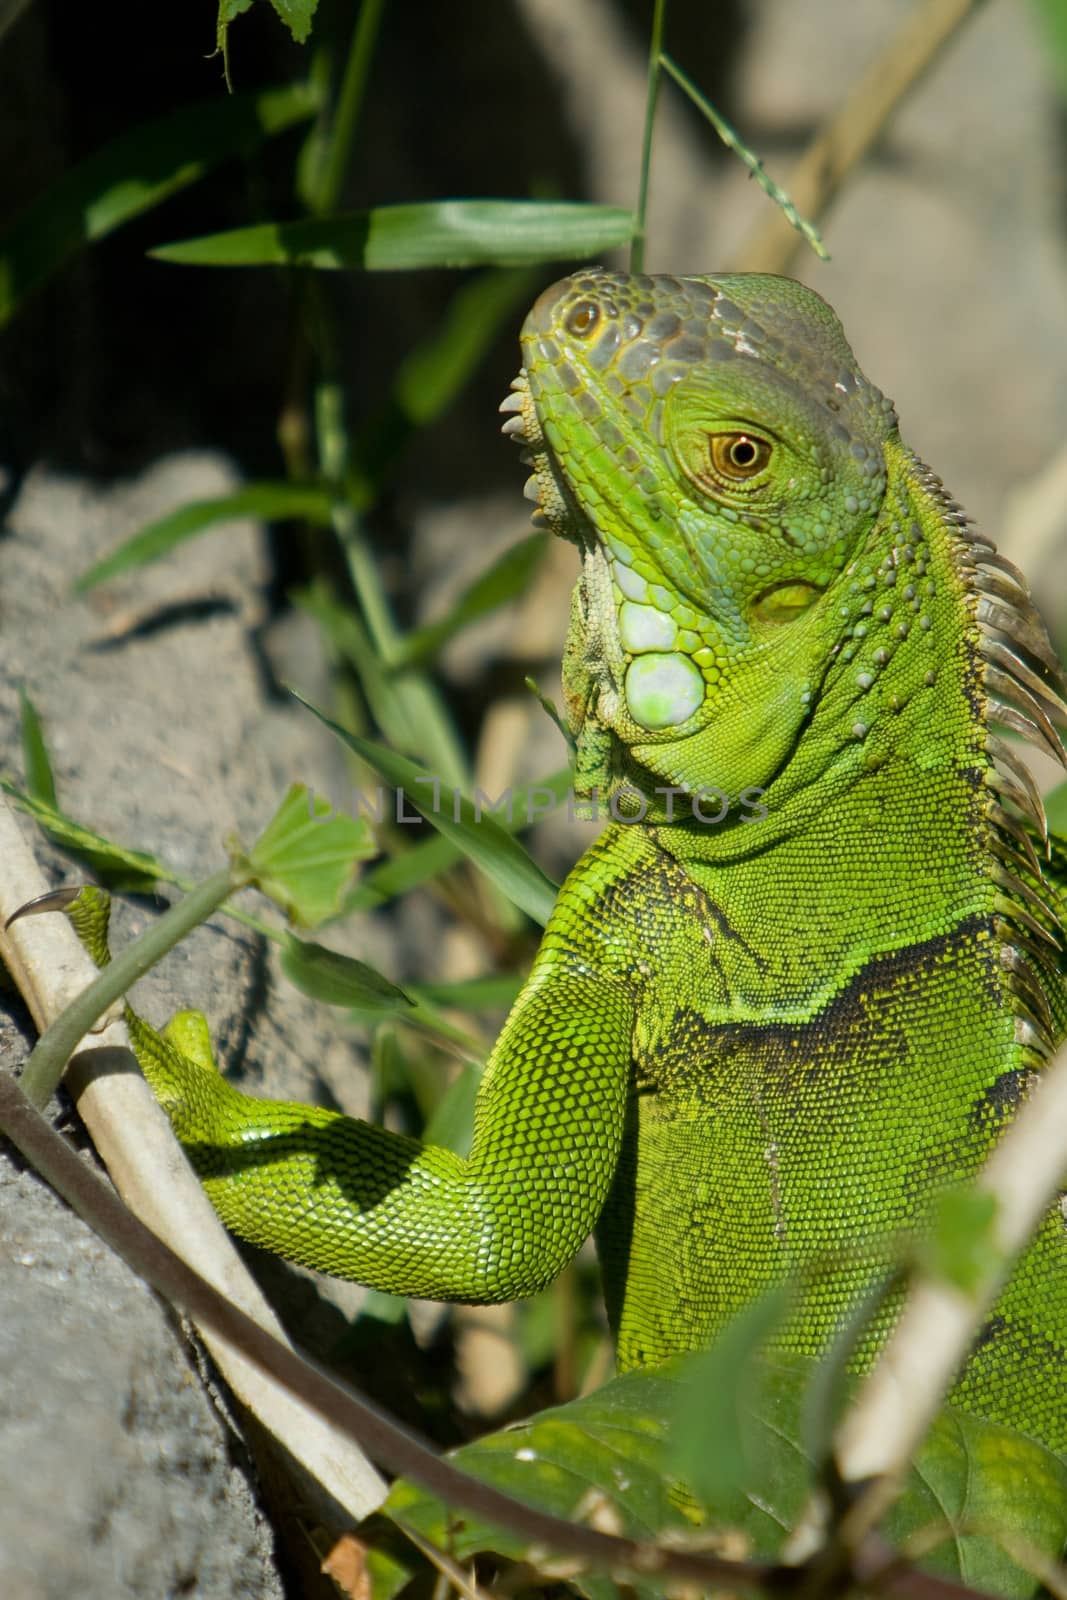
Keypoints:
pixel 37 764
pixel 409 869
pixel 267 502
pixel 134 173
pixel 338 980
pixel 439 233
pixel 733 141
pixel 507 578
pixel 477 834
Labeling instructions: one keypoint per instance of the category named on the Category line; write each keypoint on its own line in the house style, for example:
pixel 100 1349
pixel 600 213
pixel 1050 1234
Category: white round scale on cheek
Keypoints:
pixel 663 689
pixel 644 628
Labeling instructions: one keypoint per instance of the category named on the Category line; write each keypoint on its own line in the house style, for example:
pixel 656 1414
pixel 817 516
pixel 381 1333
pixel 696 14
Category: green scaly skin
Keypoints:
pixel 756 1047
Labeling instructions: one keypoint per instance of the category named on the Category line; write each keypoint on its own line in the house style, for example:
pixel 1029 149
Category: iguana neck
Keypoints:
pixel 900 773
pixel 938 649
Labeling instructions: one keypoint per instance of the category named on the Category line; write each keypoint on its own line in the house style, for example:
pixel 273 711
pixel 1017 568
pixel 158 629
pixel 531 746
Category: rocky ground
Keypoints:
pixel 120 1472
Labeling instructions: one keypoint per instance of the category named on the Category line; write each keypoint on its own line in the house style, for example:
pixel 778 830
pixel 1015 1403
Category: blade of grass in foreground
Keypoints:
pixel 266 502
pixel 440 233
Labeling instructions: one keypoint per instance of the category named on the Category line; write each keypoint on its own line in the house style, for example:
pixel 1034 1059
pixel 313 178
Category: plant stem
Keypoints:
pixel 637 243
pixel 59 1041
pixel 329 180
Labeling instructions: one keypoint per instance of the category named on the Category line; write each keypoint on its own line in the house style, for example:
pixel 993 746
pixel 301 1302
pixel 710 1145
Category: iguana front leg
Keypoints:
pixel 360 1202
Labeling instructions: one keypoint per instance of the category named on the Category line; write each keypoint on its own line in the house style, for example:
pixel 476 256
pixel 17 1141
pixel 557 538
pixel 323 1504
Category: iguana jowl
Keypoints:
pixel 753 1049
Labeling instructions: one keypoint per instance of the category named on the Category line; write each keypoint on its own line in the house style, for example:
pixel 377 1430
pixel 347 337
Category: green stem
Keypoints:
pixel 733 141
pixel 331 178
pixel 423 708
pixel 59 1041
pixel 637 243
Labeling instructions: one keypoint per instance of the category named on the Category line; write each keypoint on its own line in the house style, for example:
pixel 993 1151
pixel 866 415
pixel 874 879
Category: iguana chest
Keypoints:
pixel 797 1103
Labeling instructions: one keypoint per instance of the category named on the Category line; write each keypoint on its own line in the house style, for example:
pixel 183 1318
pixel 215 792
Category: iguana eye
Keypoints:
pixel 582 318
pixel 737 456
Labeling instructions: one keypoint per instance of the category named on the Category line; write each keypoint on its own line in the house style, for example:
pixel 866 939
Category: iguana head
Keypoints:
pixel 745 509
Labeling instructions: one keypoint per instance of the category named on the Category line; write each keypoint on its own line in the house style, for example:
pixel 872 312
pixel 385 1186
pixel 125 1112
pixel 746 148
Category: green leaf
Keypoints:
pixel 430 377
pixel 40 781
pixel 297 15
pixel 608 1456
pixel 134 173
pixel 346 633
pixel 410 868
pixel 432 374
pixel 268 502
pixel 452 1122
pixel 710 1447
pixel 1053 18
pixel 338 980
pixel 474 994
pixel 472 828
pixel 997 1498
pixel 507 578
pixel 129 870
pixel 439 233
pixel 611 1455
pixel 962 1240
pixel 229 10
pixel 306 856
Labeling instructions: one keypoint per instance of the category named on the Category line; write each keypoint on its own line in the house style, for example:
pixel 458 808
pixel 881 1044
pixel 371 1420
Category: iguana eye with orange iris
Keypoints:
pixel 582 318
pixel 737 456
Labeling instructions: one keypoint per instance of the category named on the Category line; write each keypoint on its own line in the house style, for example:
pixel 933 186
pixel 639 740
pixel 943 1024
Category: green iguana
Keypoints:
pixel 809 973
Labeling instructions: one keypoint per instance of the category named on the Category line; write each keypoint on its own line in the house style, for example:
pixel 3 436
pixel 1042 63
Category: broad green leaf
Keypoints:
pixel 129 870
pixel 307 854
pixel 473 829
pixel 506 578
pixel 228 11
pixel 611 1455
pixel 998 1498
pixel 268 502
pixel 439 233
pixel 134 173
pixel 608 1456
pixel 337 979
pixel 40 781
